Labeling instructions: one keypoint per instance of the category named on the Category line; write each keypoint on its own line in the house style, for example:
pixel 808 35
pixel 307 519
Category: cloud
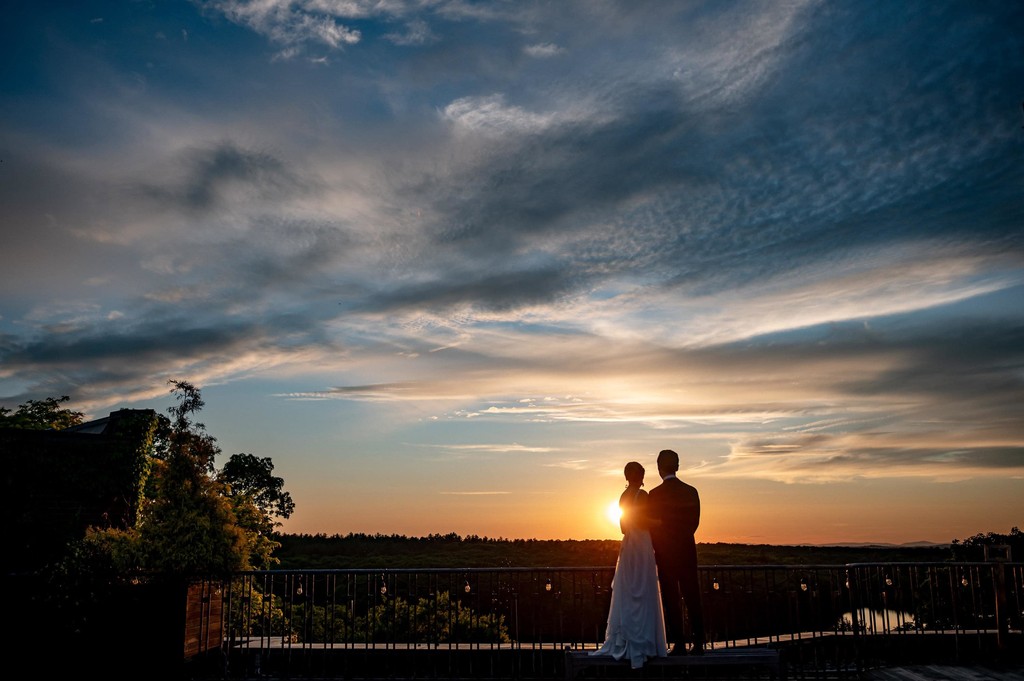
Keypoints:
pixel 217 175
pixel 415 33
pixel 490 113
pixel 293 24
pixel 543 50
pixel 821 459
pixel 499 448
pixel 488 291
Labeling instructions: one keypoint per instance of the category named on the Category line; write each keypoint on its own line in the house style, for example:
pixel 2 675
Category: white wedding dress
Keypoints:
pixel 636 622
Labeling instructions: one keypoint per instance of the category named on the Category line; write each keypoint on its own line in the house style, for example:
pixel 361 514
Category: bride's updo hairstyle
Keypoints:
pixel 634 472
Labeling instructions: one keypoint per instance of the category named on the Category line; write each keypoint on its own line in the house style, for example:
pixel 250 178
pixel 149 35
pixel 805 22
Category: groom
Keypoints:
pixel 674 507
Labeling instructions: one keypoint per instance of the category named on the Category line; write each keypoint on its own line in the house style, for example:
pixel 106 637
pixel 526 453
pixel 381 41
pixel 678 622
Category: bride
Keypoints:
pixel 636 622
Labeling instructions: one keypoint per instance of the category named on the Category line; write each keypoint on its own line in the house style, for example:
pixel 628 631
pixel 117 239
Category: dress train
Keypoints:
pixel 636 622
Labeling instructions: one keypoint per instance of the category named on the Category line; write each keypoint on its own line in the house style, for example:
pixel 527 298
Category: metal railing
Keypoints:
pixel 506 623
pixel 517 622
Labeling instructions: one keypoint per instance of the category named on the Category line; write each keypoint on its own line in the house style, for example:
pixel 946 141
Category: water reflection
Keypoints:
pixel 873 621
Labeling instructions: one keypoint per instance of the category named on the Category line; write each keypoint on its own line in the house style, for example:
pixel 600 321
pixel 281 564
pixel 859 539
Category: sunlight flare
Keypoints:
pixel 613 513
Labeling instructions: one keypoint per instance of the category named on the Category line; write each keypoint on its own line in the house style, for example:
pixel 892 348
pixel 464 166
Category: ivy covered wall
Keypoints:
pixel 58 483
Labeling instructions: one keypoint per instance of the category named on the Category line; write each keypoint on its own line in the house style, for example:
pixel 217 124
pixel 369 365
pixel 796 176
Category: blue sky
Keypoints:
pixel 452 264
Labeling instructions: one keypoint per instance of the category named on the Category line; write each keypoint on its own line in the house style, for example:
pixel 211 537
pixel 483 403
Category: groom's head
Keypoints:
pixel 668 462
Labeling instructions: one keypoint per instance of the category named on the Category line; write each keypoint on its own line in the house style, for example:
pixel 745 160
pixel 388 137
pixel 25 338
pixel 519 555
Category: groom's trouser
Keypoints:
pixel 679 585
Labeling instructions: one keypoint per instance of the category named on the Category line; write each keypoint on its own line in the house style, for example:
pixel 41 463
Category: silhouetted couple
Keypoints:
pixel 656 571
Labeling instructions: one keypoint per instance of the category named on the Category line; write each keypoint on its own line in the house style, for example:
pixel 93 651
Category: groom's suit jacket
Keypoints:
pixel 675 506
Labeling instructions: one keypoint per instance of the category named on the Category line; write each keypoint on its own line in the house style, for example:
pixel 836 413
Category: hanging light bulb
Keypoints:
pixel 467 588
pixel 714 584
pixel 547 585
pixel 803 584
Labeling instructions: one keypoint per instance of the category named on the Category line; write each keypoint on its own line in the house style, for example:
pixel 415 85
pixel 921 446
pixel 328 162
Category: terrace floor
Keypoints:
pixel 947 673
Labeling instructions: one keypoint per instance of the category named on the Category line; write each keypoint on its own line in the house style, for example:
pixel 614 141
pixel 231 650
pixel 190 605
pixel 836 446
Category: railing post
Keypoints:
pixel 1003 629
pixel 999 556
pixel 851 587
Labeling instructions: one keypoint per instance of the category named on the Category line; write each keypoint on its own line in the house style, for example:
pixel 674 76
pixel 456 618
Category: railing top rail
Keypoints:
pixel 437 570
pixel 828 566
pixel 938 563
pixel 596 568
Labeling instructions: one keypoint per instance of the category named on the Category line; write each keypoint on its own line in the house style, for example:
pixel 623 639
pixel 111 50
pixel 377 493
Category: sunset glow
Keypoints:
pixel 613 513
pixel 451 265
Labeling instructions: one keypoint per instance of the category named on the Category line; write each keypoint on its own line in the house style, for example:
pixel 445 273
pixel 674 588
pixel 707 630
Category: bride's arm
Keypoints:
pixel 625 512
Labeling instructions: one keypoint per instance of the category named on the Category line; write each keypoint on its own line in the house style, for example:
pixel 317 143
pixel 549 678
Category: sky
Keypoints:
pixel 452 264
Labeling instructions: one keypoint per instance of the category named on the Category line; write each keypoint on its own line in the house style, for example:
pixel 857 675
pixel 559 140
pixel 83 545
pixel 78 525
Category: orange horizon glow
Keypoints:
pixel 733 512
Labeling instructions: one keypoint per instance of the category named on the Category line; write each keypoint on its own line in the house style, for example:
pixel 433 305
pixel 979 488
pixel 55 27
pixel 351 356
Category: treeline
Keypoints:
pixel 353 550
pixel 305 551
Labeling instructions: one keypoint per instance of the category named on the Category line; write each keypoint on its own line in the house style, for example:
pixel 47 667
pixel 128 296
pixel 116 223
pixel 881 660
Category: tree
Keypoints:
pixel 45 414
pixel 257 497
pixel 973 548
pixel 190 525
pixel 251 479
pixel 190 521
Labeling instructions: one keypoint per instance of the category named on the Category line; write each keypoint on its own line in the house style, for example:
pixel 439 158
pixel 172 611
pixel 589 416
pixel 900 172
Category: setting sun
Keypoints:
pixel 613 512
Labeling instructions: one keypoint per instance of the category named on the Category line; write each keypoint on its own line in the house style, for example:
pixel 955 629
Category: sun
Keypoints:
pixel 613 513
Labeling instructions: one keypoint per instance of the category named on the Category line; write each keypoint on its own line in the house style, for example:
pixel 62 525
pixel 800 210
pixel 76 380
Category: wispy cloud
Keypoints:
pixel 291 23
pixel 543 50
pixel 475 494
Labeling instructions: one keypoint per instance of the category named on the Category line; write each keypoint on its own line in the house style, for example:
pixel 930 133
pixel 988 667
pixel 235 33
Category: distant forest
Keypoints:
pixel 320 551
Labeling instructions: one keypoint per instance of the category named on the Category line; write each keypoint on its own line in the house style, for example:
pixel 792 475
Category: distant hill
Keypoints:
pixel 320 551
pixel 872 545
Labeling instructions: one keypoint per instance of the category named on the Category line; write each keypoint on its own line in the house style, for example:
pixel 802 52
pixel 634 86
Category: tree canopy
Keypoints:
pixel 45 414
pixel 194 519
pixel 975 547
pixel 250 481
